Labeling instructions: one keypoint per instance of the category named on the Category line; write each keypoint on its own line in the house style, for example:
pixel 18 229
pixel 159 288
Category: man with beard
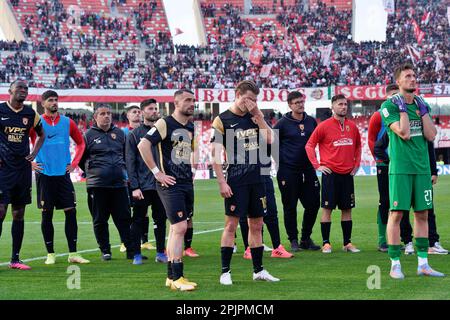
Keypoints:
pixel 409 127
pixel 173 137
pixel 297 179
pixel 16 121
pixel 340 154
pixel 143 186
pixel 53 167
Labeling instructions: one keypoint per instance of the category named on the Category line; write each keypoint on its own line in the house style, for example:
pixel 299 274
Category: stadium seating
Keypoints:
pixel 324 22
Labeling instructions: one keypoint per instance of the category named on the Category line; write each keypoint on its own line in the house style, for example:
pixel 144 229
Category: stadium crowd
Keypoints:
pixel 224 60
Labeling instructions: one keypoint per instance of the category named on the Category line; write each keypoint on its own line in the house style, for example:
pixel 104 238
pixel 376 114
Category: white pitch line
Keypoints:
pixel 96 249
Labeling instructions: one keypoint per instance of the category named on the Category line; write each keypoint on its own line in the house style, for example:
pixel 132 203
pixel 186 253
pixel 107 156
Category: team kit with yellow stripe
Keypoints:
pixel 15 170
pixel 175 144
pixel 410 185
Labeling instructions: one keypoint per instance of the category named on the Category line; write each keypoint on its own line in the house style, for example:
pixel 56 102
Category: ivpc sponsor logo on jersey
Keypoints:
pixel 247 147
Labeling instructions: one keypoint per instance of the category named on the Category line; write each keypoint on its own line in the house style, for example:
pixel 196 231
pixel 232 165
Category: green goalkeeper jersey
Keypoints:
pixel 411 156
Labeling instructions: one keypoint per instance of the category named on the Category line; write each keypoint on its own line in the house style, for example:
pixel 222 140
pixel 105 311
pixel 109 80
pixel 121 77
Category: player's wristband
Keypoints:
pixel 155 171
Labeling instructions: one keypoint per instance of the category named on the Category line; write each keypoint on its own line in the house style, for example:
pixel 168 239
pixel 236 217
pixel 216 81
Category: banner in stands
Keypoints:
pixel 265 95
pixel 441 90
pixel 377 92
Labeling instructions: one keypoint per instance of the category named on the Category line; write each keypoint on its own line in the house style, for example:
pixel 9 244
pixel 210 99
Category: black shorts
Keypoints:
pixel 247 201
pixel 15 186
pixel 55 192
pixel 338 190
pixel 178 201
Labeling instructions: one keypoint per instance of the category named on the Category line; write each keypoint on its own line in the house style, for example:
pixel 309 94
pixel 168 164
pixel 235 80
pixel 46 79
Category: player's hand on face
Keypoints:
pixel 70 168
pixel 399 101
pixel 324 170
pixel 165 180
pixel 225 190
pixel 355 169
pixel 252 108
pixel 137 194
pixel 35 166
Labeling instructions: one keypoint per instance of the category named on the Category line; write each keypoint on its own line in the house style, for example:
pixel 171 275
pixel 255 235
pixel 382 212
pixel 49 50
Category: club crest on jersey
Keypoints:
pixel 283 182
pixel 395 203
pixel 25 121
pixel 180 214
pixel 113 135
pixel 232 208
pixel 301 126
pixel 347 128
pixel 418 113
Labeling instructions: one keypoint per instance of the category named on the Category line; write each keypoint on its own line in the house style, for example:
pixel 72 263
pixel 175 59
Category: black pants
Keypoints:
pixel 106 202
pixel 406 229
pixel 303 186
pixel 140 208
pixel 270 219
pixel 383 191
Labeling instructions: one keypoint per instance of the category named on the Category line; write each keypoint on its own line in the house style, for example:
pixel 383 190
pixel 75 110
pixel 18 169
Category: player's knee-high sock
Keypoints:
pixel 159 228
pixel 48 230
pixel 1 225
pixel 422 250
pixel 145 226
pixel 17 237
pixel 226 253
pixel 325 228
pixel 394 253
pixel 274 231
pixel 243 224
pixel 381 230
pixel 347 231
pixel 169 270
pixel 257 256
pixel 71 229
pixel 177 269
pixel 188 238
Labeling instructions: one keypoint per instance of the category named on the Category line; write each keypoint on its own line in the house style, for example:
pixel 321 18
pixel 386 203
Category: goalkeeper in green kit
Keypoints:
pixel 409 127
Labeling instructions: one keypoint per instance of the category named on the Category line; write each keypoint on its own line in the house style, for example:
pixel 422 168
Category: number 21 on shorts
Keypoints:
pixel 428 197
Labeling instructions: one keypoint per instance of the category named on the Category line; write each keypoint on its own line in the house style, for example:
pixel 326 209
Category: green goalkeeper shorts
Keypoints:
pixel 410 190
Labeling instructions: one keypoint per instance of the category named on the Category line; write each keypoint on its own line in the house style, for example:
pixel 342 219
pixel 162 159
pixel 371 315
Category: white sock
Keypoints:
pixel 423 261
pixel 395 262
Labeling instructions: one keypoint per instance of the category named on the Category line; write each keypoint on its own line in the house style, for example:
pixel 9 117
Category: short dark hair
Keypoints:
pixel 181 91
pixel 391 87
pixel 17 80
pixel 101 105
pixel 132 107
pixel 247 85
pixel 294 95
pixel 48 94
pixel 403 67
pixel 338 97
pixel 147 102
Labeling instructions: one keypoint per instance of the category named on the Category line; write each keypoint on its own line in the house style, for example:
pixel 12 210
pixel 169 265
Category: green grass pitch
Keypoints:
pixel 309 275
